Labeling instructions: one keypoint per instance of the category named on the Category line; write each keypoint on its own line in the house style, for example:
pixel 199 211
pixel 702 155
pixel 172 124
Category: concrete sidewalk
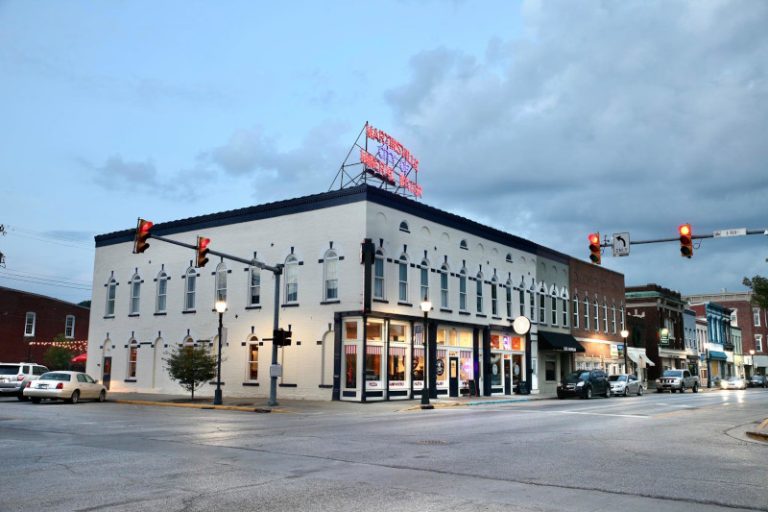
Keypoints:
pixel 259 405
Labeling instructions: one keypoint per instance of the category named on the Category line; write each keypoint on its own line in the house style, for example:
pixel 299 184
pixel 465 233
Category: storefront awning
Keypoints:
pixel 639 357
pixel 559 341
pixel 714 355
pixel 760 361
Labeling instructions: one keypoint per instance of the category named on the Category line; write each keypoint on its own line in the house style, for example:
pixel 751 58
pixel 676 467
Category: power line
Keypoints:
pixel 57 240
pixel 32 275
pixel 43 281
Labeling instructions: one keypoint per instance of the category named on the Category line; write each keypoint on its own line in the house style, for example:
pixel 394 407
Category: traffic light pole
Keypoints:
pixel 607 243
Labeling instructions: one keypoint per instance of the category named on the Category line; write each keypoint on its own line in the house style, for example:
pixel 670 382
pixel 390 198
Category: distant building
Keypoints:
pixel 753 322
pixel 29 323
pixel 719 350
pixel 692 350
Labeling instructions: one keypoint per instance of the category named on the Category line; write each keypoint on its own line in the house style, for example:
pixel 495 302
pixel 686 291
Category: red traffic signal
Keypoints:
pixel 594 248
pixel 686 240
pixel 140 243
pixel 202 251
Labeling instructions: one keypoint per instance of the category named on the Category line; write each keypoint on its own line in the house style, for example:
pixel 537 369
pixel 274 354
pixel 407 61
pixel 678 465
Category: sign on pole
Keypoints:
pixel 621 244
pixel 730 232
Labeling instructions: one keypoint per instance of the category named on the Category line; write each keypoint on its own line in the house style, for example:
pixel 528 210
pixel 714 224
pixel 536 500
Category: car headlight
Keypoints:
pixel 580 384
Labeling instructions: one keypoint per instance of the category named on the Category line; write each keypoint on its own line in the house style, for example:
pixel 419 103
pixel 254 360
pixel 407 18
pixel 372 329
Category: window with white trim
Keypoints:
pixel 463 289
pixel 586 312
pixel 161 293
pixel 444 291
pixel 758 342
pixel 190 286
pixel 111 295
pixel 291 280
pixel 402 278
pixel 479 292
pixel 253 359
pixel 565 312
pixel 542 308
pixel 554 310
pixel 613 318
pixel 133 356
pixel 605 316
pixel 494 296
pixel 756 316
pixel 532 305
pixel 331 275
pixel 221 282
pixel 69 327
pixel 29 323
pixel 576 311
pixel 597 315
pixel 621 315
pixel 254 286
pixel 135 287
pixel 508 293
pixel 424 285
pixel 521 298
pixel 378 275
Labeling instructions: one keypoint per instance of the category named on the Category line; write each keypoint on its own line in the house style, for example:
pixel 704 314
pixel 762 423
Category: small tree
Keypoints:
pixel 759 287
pixel 58 357
pixel 191 367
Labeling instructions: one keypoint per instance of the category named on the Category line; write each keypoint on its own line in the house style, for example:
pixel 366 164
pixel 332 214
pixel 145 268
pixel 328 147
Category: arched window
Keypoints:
pixel 424 285
pixel 621 316
pixel 221 283
pixel 331 275
pixel 111 294
pixel 133 356
pixel 378 275
pixel 254 286
pixel 253 359
pixel 586 311
pixel 479 292
pixel 532 301
pixel 509 257
pixel 291 280
pixel 463 245
pixel 161 293
pixel 508 290
pixel 135 287
pixel 553 301
pixel 596 305
pixel 463 289
pixel 190 287
pixel 402 278
pixel 613 317
pixel 494 296
pixel 605 315
pixel 444 295
pixel 521 297
pixel 404 227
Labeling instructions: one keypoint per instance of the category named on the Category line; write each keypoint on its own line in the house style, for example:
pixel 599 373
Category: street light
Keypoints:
pixel 624 336
pixel 426 305
pixel 522 326
pixel 221 306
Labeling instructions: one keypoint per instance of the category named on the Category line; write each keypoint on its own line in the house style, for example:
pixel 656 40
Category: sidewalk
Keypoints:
pixel 259 405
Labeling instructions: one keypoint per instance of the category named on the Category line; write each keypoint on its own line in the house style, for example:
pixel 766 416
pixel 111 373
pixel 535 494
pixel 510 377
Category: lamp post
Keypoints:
pixel 522 326
pixel 624 336
pixel 221 306
pixel 752 362
pixel 426 305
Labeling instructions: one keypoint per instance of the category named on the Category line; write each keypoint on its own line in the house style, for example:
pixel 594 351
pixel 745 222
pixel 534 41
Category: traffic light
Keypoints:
pixel 281 337
pixel 686 240
pixel 140 243
pixel 594 248
pixel 202 251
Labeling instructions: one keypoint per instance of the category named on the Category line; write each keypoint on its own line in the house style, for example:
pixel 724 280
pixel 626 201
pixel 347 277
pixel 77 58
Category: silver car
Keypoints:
pixel 625 384
pixel 67 386
pixel 733 383
pixel 14 377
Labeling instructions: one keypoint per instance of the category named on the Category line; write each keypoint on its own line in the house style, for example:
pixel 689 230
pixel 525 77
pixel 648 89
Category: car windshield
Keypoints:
pixel 577 376
pixel 64 377
pixel 673 373
pixel 9 369
pixel 617 378
pixel 733 379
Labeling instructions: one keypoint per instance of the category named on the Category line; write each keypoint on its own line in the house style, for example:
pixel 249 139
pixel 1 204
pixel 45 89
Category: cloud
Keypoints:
pixel 611 116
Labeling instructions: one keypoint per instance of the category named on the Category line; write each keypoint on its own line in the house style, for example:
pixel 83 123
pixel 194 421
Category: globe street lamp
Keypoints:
pixel 522 326
pixel 426 305
pixel 221 306
pixel 624 336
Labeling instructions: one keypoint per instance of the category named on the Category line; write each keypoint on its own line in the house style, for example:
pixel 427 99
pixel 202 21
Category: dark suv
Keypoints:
pixel 585 384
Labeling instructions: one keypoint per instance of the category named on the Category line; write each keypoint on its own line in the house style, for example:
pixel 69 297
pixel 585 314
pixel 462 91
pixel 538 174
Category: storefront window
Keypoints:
pixel 374 331
pixel 549 370
pixel 465 338
pixel 396 366
pixel 350 330
pixel 397 333
pixel 253 362
pixel 441 368
pixel 467 371
pixel 350 361
pixel 373 364
pixel 442 334
pixel 418 367
pixel 495 369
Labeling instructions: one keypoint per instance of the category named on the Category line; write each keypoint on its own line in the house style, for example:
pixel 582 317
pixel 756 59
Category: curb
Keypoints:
pixel 196 406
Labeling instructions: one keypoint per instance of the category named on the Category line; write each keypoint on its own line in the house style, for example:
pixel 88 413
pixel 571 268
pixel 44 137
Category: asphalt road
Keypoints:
pixel 656 452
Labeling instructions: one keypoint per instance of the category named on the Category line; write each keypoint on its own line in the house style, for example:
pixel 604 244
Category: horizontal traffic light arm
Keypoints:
pixel 254 263
pixel 677 238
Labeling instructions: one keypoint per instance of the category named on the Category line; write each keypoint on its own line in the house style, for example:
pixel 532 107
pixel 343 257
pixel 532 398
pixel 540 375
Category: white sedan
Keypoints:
pixel 69 386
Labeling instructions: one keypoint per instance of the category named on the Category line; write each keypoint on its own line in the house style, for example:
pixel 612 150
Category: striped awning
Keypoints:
pixel 350 349
pixel 373 350
pixel 465 354
pixel 397 351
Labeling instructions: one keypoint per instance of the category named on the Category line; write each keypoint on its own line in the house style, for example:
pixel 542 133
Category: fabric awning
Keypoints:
pixel 639 357
pixel 81 358
pixel 559 341
pixel 715 355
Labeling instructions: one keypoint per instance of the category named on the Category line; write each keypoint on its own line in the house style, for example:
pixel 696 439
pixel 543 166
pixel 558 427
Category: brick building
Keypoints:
pixel 597 316
pixel 29 321
pixel 661 312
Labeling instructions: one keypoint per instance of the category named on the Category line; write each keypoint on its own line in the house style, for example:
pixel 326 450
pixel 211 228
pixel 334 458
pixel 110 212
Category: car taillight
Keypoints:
pixel 29 384
pixel 20 377
pixel 60 385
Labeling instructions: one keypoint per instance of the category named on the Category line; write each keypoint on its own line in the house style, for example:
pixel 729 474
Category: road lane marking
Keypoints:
pixel 643 416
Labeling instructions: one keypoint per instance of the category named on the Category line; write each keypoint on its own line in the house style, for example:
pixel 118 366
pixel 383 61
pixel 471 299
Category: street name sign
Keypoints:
pixel 621 244
pixel 730 232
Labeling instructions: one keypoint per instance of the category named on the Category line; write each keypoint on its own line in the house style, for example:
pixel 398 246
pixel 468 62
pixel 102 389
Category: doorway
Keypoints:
pixel 106 375
pixel 507 376
pixel 453 376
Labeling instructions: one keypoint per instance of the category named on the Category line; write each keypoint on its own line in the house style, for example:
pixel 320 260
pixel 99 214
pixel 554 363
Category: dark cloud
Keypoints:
pixel 613 116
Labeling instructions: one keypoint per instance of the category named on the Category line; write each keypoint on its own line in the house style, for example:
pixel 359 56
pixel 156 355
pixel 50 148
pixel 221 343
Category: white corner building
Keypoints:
pixel 353 338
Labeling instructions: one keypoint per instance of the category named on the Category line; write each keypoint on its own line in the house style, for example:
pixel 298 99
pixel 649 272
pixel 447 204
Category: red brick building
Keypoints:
pixel 28 321
pixel 597 316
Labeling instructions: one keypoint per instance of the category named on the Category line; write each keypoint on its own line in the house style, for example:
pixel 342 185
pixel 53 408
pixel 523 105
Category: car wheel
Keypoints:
pixel 36 400
pixel 75 397
pixel 102 396
pixel 626 390
pixel 22 398
pixel 682 388
pixel 659 390
pixel 695 388
pixel 588 393
pixel 640 390
pixel 607 393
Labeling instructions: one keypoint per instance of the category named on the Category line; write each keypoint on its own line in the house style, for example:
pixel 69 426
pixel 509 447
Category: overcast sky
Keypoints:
pixel 549 120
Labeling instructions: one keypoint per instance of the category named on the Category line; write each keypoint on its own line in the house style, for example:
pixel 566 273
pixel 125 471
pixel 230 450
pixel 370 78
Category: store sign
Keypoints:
pixel 392 163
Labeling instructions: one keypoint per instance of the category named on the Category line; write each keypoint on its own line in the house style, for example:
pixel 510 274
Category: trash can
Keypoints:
pixel 522 388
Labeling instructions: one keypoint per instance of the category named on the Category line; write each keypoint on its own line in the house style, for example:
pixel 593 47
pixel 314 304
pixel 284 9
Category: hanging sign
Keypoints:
pixel 392 162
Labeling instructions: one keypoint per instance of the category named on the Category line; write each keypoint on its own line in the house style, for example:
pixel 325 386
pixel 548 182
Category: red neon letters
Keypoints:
pixel 385 171
pixel 385 138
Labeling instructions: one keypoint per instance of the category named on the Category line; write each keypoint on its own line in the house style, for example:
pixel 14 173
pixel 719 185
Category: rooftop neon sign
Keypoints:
pixel 392 163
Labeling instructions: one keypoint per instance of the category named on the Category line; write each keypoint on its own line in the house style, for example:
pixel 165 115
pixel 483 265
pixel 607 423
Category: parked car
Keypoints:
pixel 733 383
pixel 585 384
pixel 757 381
pixel 14 377
pixel 68 386
pixel 625 384
pixel 677 380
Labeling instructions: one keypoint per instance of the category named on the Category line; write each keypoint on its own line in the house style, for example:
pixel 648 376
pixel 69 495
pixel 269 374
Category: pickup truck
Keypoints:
pixel 677 380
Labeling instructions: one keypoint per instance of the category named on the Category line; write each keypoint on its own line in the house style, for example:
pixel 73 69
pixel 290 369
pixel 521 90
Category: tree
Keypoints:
pixel 58 357
pixel 85 303
pixel 759 287
pixel 191 367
